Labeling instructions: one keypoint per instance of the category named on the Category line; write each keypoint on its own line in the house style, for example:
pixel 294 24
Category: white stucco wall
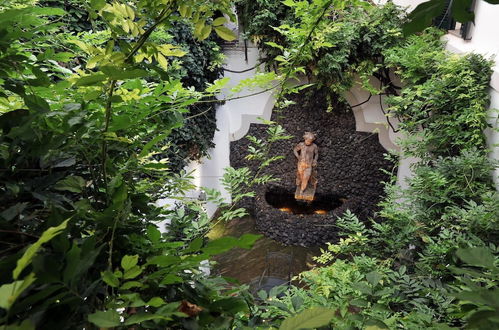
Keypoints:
pixel 233 122
pixel 409 4
pixel 484 40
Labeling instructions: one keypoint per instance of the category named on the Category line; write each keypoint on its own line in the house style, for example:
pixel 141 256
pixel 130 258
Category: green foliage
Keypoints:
pixel 332 41
pixel 446 95
pixel 423 15
pixel 402 269
pixel 96 126
pixel 200 66
pixel 85 123
pixel 363 292
pixel 260 18
pixel 478 287
pixel 77 18
pixel 240 182
pixel 418 57
pixel 308 319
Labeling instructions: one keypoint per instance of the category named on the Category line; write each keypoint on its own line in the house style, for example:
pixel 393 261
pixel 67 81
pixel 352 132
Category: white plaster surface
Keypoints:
pixel 493 135
pixel 244 111
pixel 484 35
pixel 233 122
pixel 409 4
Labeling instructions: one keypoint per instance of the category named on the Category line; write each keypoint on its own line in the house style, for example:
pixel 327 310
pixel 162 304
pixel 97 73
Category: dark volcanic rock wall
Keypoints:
pixel 349 166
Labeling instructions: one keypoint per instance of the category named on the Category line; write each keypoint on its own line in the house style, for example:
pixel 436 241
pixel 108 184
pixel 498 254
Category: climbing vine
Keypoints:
pixel 430 258
pixel 347 43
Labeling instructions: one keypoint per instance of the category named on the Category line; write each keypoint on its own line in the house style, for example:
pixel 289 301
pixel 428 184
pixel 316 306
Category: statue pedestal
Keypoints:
pixel 307 195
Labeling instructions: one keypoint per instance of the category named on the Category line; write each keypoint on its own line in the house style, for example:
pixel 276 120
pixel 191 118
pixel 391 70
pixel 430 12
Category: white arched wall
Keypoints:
pixel 369 117
pixel 235 117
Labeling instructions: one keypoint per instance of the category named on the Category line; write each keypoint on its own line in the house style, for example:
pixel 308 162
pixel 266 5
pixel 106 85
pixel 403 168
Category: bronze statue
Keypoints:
pixel 307 153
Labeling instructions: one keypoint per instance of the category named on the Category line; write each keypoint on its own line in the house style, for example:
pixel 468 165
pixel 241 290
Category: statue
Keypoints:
pixel 307 153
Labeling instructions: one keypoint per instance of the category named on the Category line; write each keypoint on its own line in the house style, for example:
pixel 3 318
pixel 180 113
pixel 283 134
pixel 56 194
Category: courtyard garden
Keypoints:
pixel 104 104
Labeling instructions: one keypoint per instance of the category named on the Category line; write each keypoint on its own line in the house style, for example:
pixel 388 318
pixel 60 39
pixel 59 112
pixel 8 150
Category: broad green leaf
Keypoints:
pixel 36 103
pixel 122 122
pixel 24 325
pixel 11 291
pixel 488 297
pixel 308 319
pixel 110 278
pixel 297 302
pixel 198 28
pixel 156 302
pixel 273 44
pixel 195 245
pixel 163 62
pixel 374 324
pixel 373 277
pixel 132 272
pixel 151 143
pixel 246 241
pixel 183 9
pixel 48 11
pixel 68 162
pixel 72 263
pixel 93 79
pixel 164 261
pixel 262 294
pixel 128 262
pixel 217 85
pixel 205 32
pixel 105 319
pixel 231 305
pixel 226 243
pixel 171 279
pixel 138 318
pixel 225 33
pixel 97 4
pixel 219 21
pixel 13 211
pixel 422 15
pixel 171 51
pixel 477 256
pixel 153 233
pixel 362 287
pixel 130 284
pixel 31 251
pixel 74 184
pixel 116 73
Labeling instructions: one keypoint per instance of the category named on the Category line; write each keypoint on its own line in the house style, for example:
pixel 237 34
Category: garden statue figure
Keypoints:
pixel 307 153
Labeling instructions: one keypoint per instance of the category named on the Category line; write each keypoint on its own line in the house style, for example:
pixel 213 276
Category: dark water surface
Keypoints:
pixel 286 202
pixel 247 265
